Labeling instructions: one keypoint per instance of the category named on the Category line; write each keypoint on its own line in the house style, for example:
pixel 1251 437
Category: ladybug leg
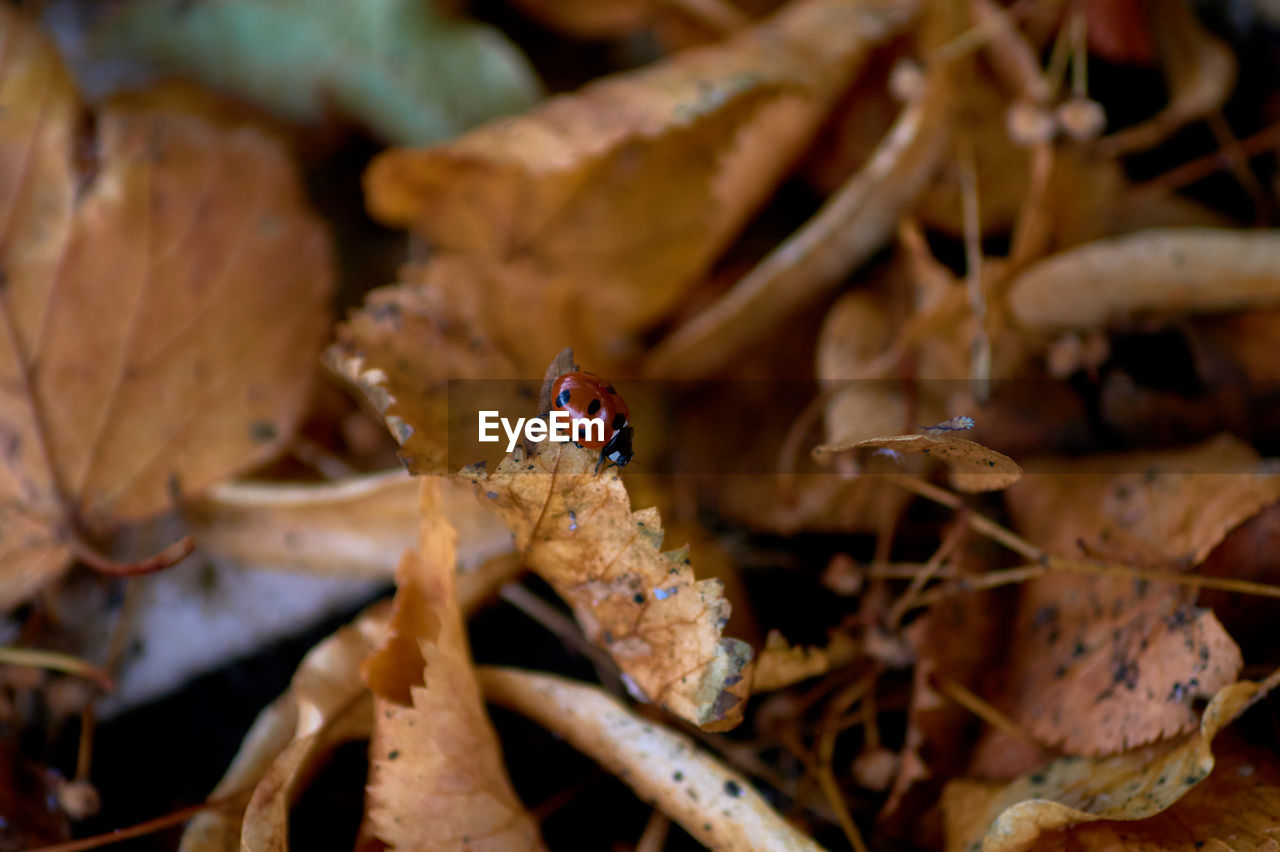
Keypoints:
pixel 600 461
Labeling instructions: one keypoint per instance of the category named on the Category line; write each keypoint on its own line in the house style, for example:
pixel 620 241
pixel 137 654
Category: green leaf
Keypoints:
pixel 401 67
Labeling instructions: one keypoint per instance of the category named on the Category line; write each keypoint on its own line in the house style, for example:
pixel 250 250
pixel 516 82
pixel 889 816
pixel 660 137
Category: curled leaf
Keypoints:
pixel 1183 270
pixel 856 221
pixel 656 170
pixel 326 705
pixel 661 625
pixel 1136 785
pixel 358 526
pixel 713 803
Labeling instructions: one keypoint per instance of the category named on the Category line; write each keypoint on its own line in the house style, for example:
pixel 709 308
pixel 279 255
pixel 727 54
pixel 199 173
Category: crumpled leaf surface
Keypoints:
pixel 436 777
pixel 401 67
pixel 177 367
pixel 661 625
pixel 613 201
pixel 1174 271
pixel 712 802
pixel 326 705
pixel 972 466
pixel 1136 785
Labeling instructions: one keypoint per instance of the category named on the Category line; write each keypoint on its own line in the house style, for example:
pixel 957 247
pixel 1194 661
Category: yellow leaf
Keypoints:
pixel 973 467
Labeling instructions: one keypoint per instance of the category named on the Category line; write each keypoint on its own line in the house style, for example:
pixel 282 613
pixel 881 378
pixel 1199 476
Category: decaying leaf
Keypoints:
pixel 353 527
pixel 857 220
pixel 655 171
pixel 713 803
pixel 1136 785
pixel 436 778
pixel 180 366
pixel 326 705
pixel 780 664
pixel 403 68
pixel 1102 664
pixel 644 606
pixel 1174 271
pixel 973 467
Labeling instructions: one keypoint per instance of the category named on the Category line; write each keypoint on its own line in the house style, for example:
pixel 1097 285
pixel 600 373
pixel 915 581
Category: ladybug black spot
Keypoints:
pixel 563 399
pixel 593 407
pixel 610 389
pixel 619 420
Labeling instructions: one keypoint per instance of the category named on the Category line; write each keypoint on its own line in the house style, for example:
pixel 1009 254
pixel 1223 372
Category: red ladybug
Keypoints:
pixel 586 396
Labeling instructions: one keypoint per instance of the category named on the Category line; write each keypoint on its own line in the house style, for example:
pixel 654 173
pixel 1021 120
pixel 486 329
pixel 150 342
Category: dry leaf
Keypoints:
pixel 1154 509
pixel 856 221
pixel 190 361
pixel 326 705
pixel 352 527
pixel 780 664
pixel 972 467
pixel 1162 272
pixel 1101 664
pixel 1136 785
pixel 436 778
pixel 655 171
pixel 661 625
pixel 713 803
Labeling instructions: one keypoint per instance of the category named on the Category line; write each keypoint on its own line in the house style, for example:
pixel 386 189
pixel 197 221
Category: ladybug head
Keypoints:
pixel 618 450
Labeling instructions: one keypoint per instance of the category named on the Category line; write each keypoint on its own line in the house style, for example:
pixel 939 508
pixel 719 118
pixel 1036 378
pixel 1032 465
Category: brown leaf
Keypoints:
pixel 654 170
pixel 1136 785
pixel 437 779
pixel 856 221
pixel 1181 270
pixel 326 705
pixel 1154 509
pixel 973 467
pixel 713 803
pixel 661 625
pixel 405 345
pixel 178 365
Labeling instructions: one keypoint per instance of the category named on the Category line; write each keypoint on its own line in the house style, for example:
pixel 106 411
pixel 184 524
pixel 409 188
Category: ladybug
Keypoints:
pixel 586 396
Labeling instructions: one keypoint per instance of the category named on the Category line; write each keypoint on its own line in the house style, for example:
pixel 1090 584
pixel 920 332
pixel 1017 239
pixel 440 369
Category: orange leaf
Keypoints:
pixel 142 340
pixel 437 779
pixel 661 625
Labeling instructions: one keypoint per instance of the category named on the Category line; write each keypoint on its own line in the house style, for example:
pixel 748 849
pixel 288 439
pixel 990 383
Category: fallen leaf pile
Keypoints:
pixel 946 336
